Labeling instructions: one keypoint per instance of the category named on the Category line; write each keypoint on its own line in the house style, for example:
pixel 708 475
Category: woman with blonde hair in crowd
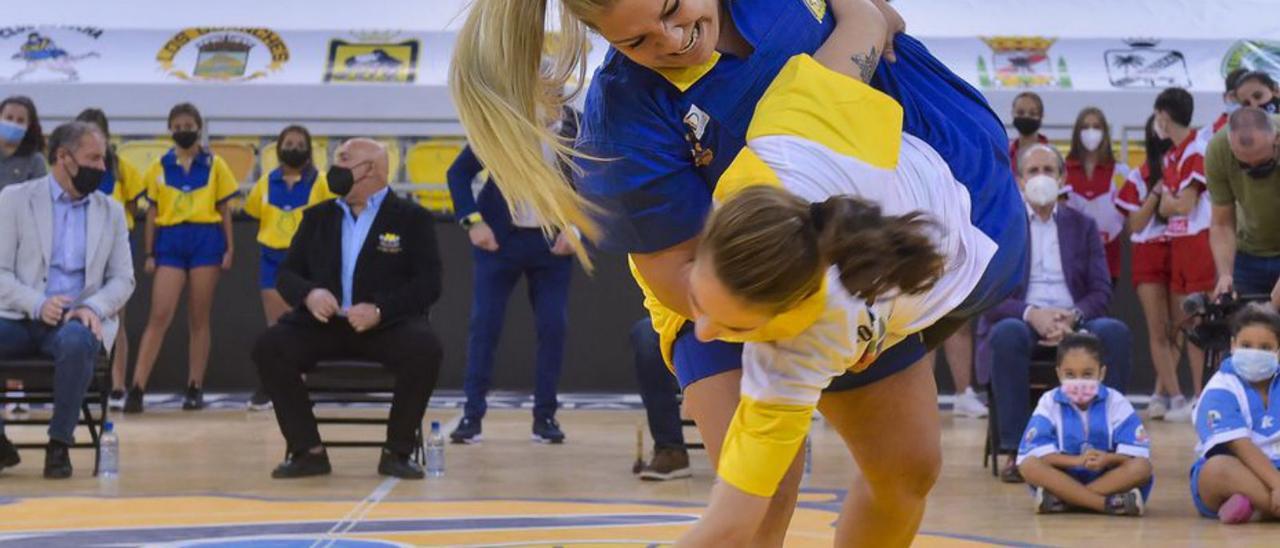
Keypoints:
pixel 1092 176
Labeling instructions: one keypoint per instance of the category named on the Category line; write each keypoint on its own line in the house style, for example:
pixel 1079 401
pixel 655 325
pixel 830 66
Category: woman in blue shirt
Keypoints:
pixel 665 116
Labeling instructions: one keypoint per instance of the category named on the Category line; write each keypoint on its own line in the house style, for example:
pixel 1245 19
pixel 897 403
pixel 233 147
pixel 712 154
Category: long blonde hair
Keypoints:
pixel 500 84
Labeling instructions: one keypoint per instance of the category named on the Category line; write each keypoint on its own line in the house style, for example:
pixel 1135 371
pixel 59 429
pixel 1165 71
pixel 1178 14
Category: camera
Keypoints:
pixel 1209 321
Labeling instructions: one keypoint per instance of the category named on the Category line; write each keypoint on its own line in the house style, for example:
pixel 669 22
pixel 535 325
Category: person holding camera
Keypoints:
pixel 1241 170
pixel 1068 287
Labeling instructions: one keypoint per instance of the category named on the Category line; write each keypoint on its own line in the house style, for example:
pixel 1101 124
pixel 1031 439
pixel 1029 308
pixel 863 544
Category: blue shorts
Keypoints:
pixel 189 245
pixel 268 266
pixel 1195 483
pixel 1195 491
pixel 695 360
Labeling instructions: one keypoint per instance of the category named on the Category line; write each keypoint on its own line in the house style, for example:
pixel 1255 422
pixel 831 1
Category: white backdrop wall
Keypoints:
pixel 255 66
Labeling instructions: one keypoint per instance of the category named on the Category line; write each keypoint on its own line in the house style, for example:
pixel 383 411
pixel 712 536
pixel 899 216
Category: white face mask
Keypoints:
pixel 1231 107
pixel 1254 365
pixel 1041 190
pixel 1091 138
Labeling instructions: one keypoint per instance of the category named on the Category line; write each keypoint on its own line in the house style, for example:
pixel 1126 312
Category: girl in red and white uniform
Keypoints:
pixel 1139 200
pixel 1092 177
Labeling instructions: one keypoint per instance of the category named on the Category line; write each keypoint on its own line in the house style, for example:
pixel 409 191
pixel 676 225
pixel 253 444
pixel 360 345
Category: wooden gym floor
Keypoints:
pixel 202 479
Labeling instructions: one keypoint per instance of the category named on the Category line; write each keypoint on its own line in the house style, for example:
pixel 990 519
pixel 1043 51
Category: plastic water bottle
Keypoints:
pixel 109 459
pixel 435 451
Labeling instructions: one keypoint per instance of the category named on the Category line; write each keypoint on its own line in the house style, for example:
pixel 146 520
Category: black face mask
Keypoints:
pixel 184 139
pixel 1026 126
pixel 294 157
pixel 87 178
pixel 341 180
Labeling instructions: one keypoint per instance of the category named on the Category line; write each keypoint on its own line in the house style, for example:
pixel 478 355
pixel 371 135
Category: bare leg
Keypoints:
pixel 959 350
pixel 273 306
pixel 1155 306
pixel 1225 475
pixel 1195 355
pixel 711 403
pixel 1134 472
pixel 166 289
pixel 894 432
pixel 1042 474
pixel 120 356
pixel 199 305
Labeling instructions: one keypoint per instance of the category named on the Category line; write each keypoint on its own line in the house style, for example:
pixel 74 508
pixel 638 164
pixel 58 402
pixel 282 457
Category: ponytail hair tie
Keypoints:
pixel 817 217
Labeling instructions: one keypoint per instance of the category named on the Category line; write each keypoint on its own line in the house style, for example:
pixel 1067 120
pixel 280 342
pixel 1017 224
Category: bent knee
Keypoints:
pixel 912 477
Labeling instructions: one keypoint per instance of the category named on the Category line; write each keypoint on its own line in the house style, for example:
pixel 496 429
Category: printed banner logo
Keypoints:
pixel 47 53
pixel 1144 66
pixel 373 57
pixel 223 54
pixel 1263 55
pixel 1022 62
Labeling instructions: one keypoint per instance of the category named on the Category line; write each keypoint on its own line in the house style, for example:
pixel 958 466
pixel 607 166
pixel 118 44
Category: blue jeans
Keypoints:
pixel 658 388
pixel 524 253
pixel 74 350
pixel 1255 275
pixel 1012 341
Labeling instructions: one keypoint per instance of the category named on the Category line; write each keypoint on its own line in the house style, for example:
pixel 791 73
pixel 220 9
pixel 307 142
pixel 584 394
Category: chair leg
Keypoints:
pixel 993 432
pixel 419 451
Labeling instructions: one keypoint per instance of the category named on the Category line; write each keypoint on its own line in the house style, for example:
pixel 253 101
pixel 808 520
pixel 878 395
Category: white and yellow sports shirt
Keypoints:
pixel 819 134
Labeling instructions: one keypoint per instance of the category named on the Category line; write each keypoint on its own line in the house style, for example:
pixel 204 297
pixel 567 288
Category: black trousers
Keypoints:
pixel 410 349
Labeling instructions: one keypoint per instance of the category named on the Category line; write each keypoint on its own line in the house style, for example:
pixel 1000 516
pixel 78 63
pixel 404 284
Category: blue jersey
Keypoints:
pixel 1109 425
pixel 667 136
pixel 1230 409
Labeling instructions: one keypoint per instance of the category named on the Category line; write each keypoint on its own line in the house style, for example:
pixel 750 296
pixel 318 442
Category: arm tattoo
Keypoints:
pixel 866 63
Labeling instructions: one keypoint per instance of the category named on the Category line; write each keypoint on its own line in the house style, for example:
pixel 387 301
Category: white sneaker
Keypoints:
pixel 1180 410
pixel 967 404
pixel 1158 407
pixel 115 401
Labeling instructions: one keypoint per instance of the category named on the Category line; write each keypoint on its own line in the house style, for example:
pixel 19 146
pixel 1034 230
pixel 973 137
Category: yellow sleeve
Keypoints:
pixel 151 182
pixel 130 181
pixel 762 442
pixel 225 185
pixel 253 204
pixel 320 190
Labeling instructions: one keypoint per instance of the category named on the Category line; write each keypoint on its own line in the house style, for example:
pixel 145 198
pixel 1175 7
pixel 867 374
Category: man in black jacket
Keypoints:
pixel 361 275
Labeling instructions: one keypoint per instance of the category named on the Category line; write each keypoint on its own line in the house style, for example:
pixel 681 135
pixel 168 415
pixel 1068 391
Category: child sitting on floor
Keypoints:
pixel 1084 447
pixel 1238 423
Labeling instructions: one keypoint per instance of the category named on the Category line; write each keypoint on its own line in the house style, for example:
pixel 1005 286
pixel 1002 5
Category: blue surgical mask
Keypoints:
pixel 11 132
pixel 1254 365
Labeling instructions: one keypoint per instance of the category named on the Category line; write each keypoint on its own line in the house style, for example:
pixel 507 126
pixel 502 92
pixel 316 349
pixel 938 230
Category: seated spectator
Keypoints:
pixel 658 390
pixel 1072 466
pixel 1067 287
pixel 1237 471
pixel 65 274
pixel 361 275
pixel 21 142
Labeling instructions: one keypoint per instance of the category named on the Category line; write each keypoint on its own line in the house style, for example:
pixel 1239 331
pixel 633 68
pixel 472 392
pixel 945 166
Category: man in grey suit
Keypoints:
pixel 65 273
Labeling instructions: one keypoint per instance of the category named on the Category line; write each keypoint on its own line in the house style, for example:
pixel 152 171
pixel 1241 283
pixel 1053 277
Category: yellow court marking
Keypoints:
pixel 233 521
